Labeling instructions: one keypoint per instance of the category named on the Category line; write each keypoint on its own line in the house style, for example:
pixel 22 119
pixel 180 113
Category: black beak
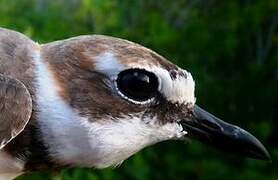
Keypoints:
pixel 210 130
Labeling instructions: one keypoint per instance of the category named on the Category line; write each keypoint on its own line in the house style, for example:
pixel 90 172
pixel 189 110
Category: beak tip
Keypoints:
pixel 256 148
pixel 267 156
pixel 264 155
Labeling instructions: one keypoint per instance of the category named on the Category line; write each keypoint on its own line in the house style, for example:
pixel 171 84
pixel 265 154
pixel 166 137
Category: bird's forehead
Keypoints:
pixel 127 53
pixel 113 55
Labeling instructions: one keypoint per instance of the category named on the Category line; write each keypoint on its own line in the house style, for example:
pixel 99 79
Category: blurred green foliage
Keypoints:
pixel 231 48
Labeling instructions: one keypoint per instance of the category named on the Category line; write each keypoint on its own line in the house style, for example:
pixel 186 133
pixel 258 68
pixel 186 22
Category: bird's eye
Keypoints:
pixel 137 84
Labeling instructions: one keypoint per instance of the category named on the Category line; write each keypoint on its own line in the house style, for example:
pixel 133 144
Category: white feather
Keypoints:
pixel 108 64
pixel 60 126
pixel 179 90
pixel 113 141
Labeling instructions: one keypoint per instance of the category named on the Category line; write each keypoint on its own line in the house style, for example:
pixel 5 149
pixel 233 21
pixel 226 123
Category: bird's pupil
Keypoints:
pixel 137 84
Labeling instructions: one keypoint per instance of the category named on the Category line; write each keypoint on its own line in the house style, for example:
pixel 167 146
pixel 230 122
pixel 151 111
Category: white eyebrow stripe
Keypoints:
pixel 108 64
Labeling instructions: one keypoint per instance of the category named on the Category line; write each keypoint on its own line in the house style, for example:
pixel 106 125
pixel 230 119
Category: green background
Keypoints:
pixel 231 48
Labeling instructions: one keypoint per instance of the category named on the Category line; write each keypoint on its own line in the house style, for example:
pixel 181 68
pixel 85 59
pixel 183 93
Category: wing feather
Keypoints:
pixel 15 108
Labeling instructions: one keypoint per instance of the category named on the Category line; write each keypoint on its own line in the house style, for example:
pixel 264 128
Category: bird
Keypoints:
pixel 94 101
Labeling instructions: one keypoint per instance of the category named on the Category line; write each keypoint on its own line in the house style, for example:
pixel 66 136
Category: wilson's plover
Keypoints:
pixel 93 101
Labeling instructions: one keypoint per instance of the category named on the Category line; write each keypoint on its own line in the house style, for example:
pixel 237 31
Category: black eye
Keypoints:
pixel 137 84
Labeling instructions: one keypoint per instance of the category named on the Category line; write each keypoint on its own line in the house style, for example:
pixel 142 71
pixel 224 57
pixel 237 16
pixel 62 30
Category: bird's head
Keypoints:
pixel 118 97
